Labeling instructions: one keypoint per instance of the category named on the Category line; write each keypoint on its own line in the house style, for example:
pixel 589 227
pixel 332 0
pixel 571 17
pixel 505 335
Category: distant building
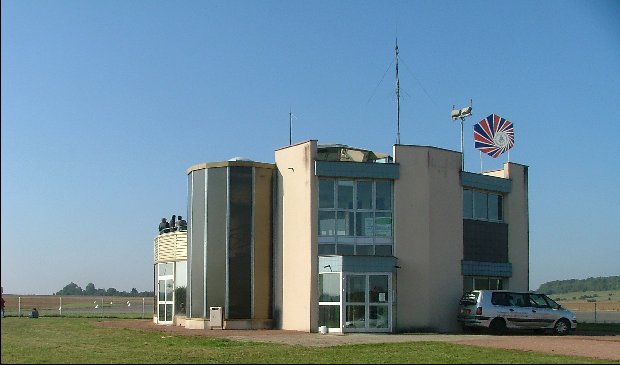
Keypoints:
pixel 346 238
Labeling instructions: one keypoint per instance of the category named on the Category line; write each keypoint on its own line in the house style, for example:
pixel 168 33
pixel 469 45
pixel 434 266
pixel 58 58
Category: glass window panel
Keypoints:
pixel 239 248
pixel 345 194
pixel 519 300
pixel 383 250
pixel 480 205
pixel 495 284
pixel 329 315
pixel 551 303
pixel 343 249
pixel 356 288
pixel 364 195
pixel 493 213
pixel 327 249
pixel 161 313
pixel 468 204
pixel 168 312
pixel 383 224
pixel 329 288
pixel 468 283
pixel 180 299
pixel 383 195
pixel 356 316
pixel 500 298
pixel 169 290
pixel 500 208
pixel 364 250
pixel 166 269
pixel 378 288
pixel 538 301
pixel 327 223
pixel 481 283
pixel 344 224
pixel 162 290
pixel 326 193
pixel 180 276
pixel 378 316
pixel 364 224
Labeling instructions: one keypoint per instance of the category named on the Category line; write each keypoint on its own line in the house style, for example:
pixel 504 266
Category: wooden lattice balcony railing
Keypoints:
pixel 171 247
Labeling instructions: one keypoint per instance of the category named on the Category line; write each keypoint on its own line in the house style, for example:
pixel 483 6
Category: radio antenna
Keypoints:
pixel 397 96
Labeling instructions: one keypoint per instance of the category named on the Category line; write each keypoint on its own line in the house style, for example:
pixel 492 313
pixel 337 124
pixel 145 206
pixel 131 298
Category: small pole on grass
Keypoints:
pixel 60 308
pixel 142 308
pixel 594 312
pixel 19 306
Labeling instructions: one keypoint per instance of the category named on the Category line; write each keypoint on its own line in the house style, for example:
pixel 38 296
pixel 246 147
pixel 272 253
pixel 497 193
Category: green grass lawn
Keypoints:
pixel 80 340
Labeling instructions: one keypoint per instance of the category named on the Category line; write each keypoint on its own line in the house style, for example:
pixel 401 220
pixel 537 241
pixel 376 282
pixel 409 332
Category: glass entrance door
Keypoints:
pixel 165 296
pixel 367 303
pixel 165 301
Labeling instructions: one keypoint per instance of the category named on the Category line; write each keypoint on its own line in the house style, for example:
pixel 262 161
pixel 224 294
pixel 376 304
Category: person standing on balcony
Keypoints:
pixel 181 224
pixel 173 222
pixel 164 226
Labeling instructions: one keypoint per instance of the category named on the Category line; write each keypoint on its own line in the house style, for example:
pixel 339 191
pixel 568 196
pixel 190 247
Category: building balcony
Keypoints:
pixel 170 247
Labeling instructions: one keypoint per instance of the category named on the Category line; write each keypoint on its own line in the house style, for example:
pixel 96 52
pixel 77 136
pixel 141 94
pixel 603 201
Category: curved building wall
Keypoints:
pixel 230 242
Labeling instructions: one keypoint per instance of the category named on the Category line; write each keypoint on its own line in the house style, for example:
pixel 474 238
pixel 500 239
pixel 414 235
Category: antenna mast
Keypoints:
pixel 397 97
pixel 290 126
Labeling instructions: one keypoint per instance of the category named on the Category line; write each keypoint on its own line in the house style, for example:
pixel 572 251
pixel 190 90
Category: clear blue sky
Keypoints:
pixel 105 104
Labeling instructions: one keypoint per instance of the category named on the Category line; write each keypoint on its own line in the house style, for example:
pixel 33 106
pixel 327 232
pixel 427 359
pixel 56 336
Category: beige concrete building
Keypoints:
pixel 342 239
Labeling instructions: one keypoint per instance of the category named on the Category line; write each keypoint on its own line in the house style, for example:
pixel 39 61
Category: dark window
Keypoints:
pixel 500 298
pixel 240 244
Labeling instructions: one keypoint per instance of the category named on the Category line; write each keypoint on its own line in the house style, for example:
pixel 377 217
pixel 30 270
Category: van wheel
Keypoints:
pixel 498 326
pixel 561 328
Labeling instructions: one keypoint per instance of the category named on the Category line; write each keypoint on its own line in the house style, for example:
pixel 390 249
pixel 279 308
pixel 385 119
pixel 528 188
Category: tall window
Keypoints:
pixel 482 205
pixel 355 216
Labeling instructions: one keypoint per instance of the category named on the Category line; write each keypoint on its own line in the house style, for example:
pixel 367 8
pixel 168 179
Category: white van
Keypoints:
pixel 499 310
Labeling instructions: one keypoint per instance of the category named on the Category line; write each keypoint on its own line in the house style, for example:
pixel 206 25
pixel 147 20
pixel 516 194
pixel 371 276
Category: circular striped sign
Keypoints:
pixel 494 135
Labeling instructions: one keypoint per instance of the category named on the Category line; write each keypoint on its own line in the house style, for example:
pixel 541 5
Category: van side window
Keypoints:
pixel 518 300
pixel 499 298
pixel 552 303
pixel 537 300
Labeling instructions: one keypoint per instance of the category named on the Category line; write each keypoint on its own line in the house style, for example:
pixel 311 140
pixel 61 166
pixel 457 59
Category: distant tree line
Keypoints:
pixel 581 285
pixel 90 290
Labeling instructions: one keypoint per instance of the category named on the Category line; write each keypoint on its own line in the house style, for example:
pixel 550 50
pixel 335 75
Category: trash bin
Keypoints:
pixel 216 318
pixel 323 330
